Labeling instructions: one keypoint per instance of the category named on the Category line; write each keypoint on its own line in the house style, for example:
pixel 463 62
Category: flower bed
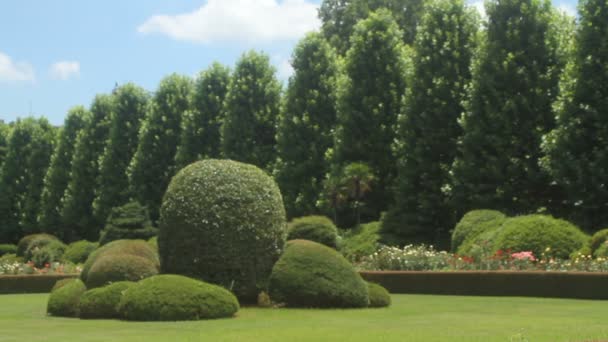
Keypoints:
pixel 16 268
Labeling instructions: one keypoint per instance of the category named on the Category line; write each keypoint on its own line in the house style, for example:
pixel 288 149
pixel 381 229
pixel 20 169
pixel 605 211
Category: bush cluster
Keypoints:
pixel 158 299
pixel 28 242
pixel 103 302
pixel 43 254
pixel 78 252
pixel 361 241
pixel 473 224
pixel 64 300
pixel 130 221
pixel 223 222
pixel 309 274
pixel 314 228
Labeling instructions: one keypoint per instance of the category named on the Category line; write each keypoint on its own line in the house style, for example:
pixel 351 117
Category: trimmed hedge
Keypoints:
pixel 223 222
pixel 176 298
pixel 29 241
pixel 537 232
pixel 131 247
pixel 314 228
pixel 31 283
pixel 130 221
pixel 115 267
pixel 597 240
pixel 309 274
pixel 78 252
pixel 379 297
pixel 7 249
pixel 103 302
pixel 581 285
pixel 473 224
pixel 64 301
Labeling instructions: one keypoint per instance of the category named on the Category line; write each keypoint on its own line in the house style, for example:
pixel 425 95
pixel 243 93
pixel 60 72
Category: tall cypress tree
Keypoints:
pixel 577 150
pixel 251 110
pixel 306 125
pixel 369 102
pixel 58 174
pixel 200 134
pixel 508 110
pixel 77 203
pixel 152 165
pixel 4 133
pixel 428 126
pixel 130 102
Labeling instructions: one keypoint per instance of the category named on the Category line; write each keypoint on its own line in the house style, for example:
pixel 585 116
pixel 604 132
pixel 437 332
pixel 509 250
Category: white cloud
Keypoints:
pixel 238 20
pixel 15 71
pixel 64 70
pixel 284 68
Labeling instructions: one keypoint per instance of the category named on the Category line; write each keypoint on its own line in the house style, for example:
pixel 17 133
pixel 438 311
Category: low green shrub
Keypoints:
pixel 473 224
pixel 535 233
pixel 314 228
pixel 309 274
pixel 361 241
pixel 28 242
pixel 119 267
pixel 64 301
pixel 379 297
pixel 601 251
pixel 176 298
pixel 78 252
pixel 598 239
pixel 48 253
pixel 11 258
pixel 7 249
pixel 153 241
pixel 60 283
pixel 103 302
pixel 131 247
pixel 130 221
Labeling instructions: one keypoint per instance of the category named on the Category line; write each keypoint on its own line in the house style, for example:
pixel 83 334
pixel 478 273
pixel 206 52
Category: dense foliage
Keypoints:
pixel 379 297
pixel 130 221
pixel 64 300
pixel 78 252
pixel 474 223
pixel 309 274
pixel 223 222
pixel 314 228
pixel 102 302
pixel 115 267
pixel 156 299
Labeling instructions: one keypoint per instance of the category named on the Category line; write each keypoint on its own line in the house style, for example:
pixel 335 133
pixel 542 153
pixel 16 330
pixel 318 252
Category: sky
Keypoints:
pixel 58 54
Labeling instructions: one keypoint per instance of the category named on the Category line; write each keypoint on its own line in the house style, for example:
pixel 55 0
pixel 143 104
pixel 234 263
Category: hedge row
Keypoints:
pixel 494 283
pixel 31 283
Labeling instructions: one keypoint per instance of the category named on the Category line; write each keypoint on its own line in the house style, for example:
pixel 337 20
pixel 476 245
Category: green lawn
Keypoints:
pixel 411 318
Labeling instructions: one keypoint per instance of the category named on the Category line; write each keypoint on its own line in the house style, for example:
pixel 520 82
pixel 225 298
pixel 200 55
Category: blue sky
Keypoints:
pixel 58 54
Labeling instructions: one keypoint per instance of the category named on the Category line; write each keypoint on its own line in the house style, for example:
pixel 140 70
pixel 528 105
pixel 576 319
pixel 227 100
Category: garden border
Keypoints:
pixel 30 283
pixel 553 284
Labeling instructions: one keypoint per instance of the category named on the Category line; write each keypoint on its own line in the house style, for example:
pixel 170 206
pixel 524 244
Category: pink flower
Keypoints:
pixel 523 256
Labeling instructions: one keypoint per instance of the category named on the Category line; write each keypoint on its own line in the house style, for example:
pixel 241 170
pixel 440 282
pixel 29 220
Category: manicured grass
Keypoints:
pixel 411 318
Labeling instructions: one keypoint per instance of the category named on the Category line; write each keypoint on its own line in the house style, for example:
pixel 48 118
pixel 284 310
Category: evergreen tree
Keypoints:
pixel 508 110
pixel 77 202
pixel 251 110
pixel 130 102
pixel 339 18
pixel 58 174
pixel 577 150
pixel 306 125
pixel 152 165
pixel 4 133
pixel 369 103
pixel 200 134
pixel 428 126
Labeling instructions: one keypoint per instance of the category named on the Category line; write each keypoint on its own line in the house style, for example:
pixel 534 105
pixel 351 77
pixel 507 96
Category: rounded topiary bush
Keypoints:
pixel 598 239
pixel 129 221
pixel 537 232
pixel 314 228
pixel 7 249
pixel 78 252
pixel 223 222
pixel 176 298
pixel 138 248
pixel 118 267
pixel 473 224
pixel 103 302
pixel 309 274
pixel 64 300
pixel 28 242
pixel 379 297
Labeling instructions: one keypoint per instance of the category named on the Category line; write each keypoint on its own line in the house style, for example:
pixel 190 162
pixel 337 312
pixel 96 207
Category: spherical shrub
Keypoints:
pixel 51 252
pixel 309 274
pixel 78 252
pixel 314 228
pixel 379 297
pixel 474 223
pixel 61 283
pixel 7 249
pixel 103 302
pixel 119 267
pixel 131 247
pixel 537 232
pixel 598 239
pixel 64 300
pixel 176 298
pixel 223 222
pixel 29 241
pixel 130 221
pixel 601 251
